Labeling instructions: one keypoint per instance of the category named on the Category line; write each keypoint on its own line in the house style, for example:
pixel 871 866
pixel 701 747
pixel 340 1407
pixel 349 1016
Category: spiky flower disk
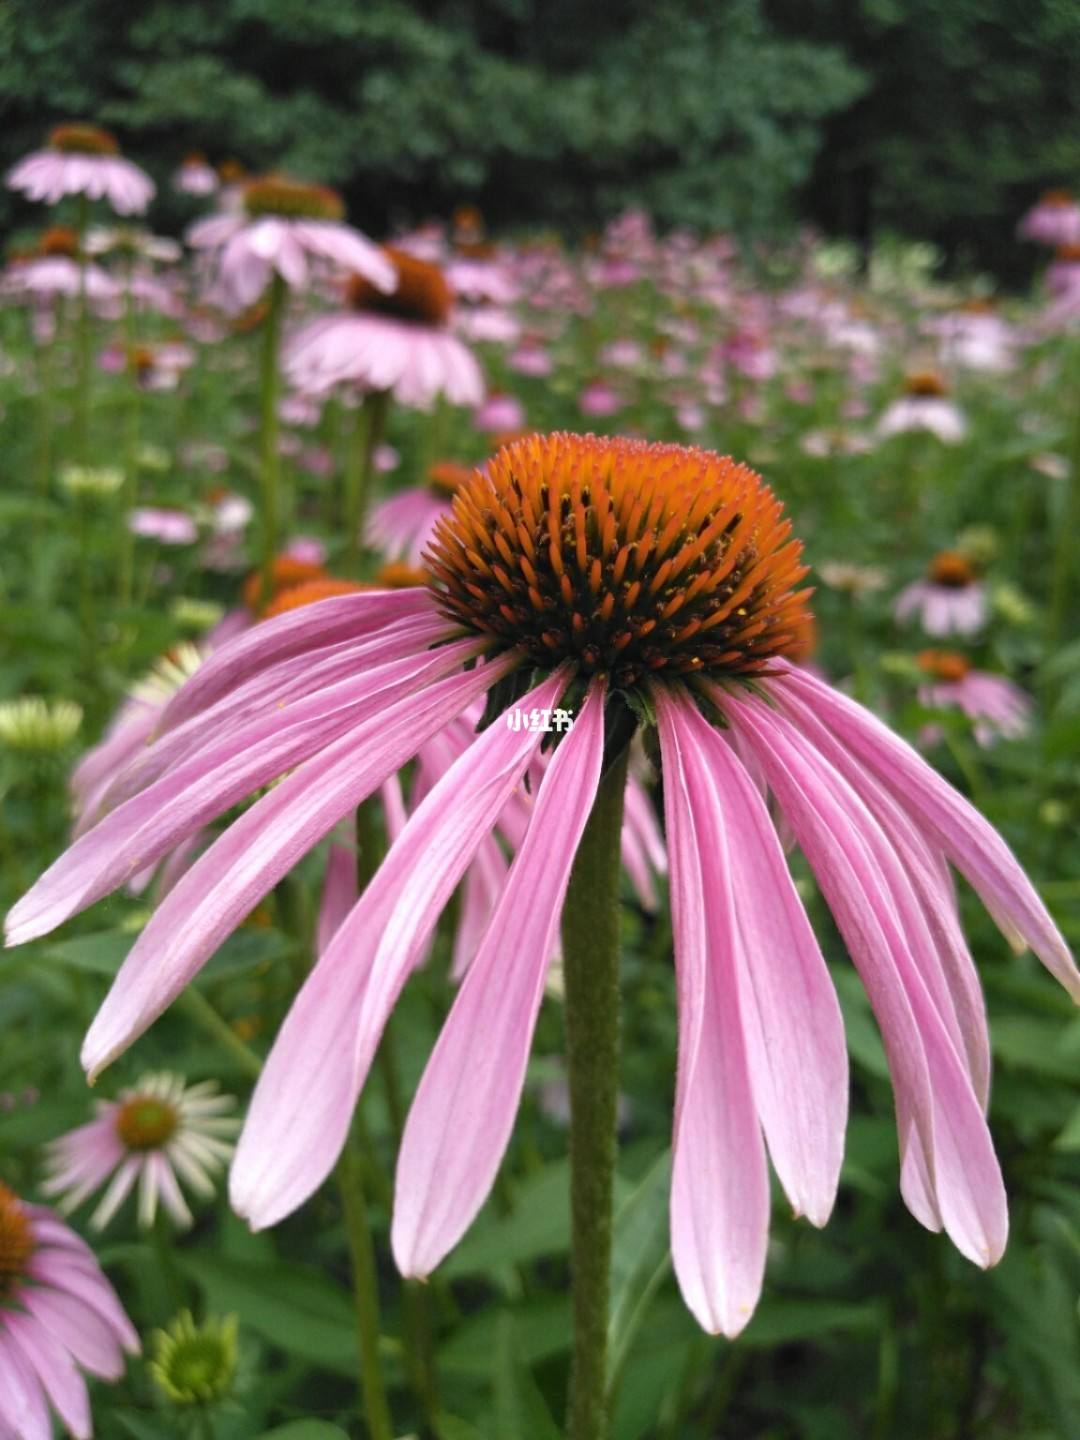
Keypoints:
pixel 82 140
pixel 16 1240
pixel 629 559
pixel 291 199
pixel 951 569
pixel 422 296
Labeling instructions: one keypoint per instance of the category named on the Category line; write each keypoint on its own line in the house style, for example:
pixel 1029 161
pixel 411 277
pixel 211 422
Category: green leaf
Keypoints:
pixel 305 1430
pixel 293 1307
pixel 519 1406
pixel 640 1258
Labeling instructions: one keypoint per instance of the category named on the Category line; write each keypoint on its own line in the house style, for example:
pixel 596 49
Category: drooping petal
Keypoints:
pixel 946 964
pixel 186 798
pixel 56 1372
pixel 971 843
pixel 339 893
pixel 790 1015
pixel 719 1183
pixel 463 1113
pixel 880 918
pixel 237 871
pixel 303 1103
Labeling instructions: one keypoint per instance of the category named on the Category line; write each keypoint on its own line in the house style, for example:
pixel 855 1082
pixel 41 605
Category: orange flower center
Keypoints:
pixel 82 140
pixel 193 158
pixel 944 664
pixel 1069 253
pixel 286 572
pixel 291 199
pixel 1056 198
pixel 145 1123
pixel 59 240
pixel 951 569
pixel 297 596
pixel 397 576
pixel 422 294
pixel 627 558
pixel 446 477
pixel 16 1240
pixel 230 172
pixel 925 382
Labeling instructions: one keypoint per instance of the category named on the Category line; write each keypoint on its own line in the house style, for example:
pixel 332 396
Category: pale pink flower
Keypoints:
pixel 1053 220
pixel 924 412
pixel 399 343
pixel 167 527
pixel 401 525
pixel 194 176
pixel 599 399
pixel 155 1134
pixel 976 338
pixel 998 709
pixel 478 280
pixel 501 412
pixel 285 228
pixel 56 276
pixel 949 600
pixel 59 1316
pixel 532 358
pixel 82 160
pixel 332 700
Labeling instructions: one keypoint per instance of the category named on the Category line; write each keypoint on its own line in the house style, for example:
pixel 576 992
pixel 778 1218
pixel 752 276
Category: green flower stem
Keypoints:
pixel 368 429
pixel 269 389
pixel 83 344
pixel 1064 566
pixel 204 1014
pixel 350 1179
pixel 590 937
pixel 131 447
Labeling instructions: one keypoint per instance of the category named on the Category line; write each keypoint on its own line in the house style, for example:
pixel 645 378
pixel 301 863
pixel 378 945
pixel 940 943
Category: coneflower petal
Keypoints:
pixel 339 893
pixel 304 1101
pixel 464 1109
pixel 719 1183
pixel 46 1357
pixel 946 964
pixel 880 918
pixel 792 1026
pixel 230 878
pixel 149 825
pixel 25 1410
pixel 970 842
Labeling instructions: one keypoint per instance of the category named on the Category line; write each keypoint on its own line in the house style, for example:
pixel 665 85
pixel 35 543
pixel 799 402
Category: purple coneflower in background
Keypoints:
pixel 625 582
pixel 397 342
pixel 58 1315
pixel 195 176
pixel 157 1133
pixel 949 600
pixel 285 227
pixel 82 160
pixel 924 405
pixel 1053 220
pixel 998 709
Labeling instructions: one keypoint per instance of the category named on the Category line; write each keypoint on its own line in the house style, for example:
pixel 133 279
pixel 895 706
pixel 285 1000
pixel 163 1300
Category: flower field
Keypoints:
pixel 541 787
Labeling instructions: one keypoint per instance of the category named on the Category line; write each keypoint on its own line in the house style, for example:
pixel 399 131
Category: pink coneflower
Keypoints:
pixel 82 160
pixel 998 709
pixel 924 405
pixel 532 358
pixel 609 568
pixel 52 269
pixel 195 176
pixel 1053 220
pixel 399 342
pixel 977 338
pixel 1063 283
pixel 401 525
pixel 599 399
pixel 949 600
pixel 284 227
pixel 500 412
pixel 157 1133
pixel 58 1316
